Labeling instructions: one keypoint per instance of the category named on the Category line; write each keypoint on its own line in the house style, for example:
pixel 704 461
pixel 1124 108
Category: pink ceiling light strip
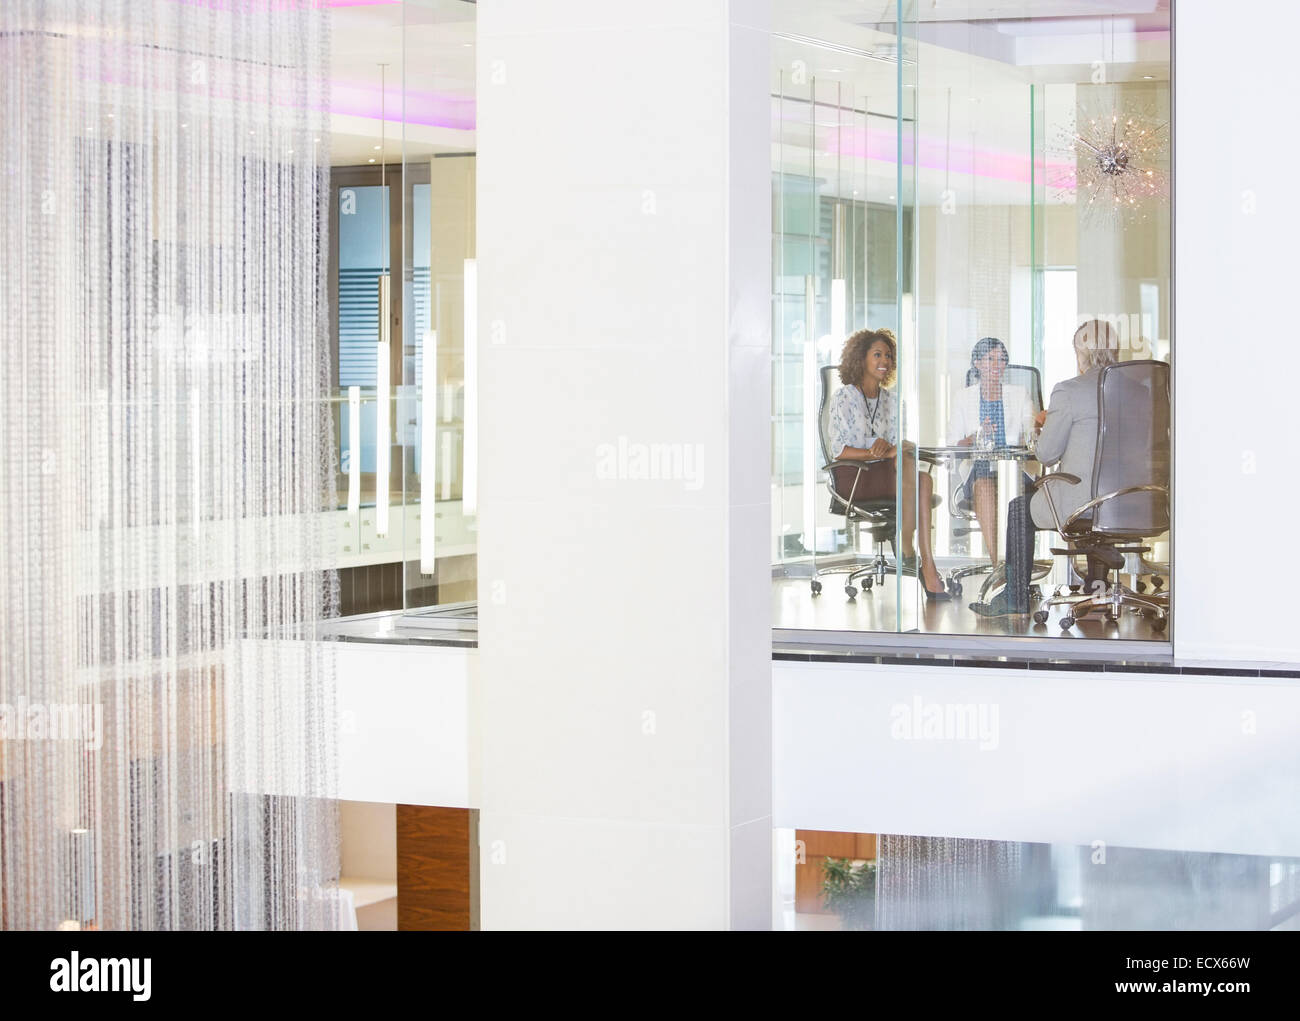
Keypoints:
pixel 932 154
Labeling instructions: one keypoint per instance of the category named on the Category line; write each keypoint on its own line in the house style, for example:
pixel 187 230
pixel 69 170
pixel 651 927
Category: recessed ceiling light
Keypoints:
pixel 833 70
pixel 467 44
pixel 376 148
pixel 110 116
pixel 290 152
pixel 184 125
pixel 1147 77
pixel 315 139
pixel 372 159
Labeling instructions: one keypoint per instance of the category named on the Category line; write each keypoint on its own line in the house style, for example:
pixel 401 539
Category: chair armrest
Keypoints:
pixel 852 463
pixel 1042 480
pixel 1111 496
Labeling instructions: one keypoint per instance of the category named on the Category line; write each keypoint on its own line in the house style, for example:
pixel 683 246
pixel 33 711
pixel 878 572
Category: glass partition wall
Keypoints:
pixel 402 278
pixel 841 257
pixel 994 191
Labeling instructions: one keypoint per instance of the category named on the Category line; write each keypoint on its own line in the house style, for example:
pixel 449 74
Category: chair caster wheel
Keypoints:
pixel 1040 616
pixel 866 583
pixel 1140 587
pixel 816 588
pixel 1159 624
pixel 1074 589
pixel 1067 622
pixel 850 591
pixel 954 588
pixel 1157 584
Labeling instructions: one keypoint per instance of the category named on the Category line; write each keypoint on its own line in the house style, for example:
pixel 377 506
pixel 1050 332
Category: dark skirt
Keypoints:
pixel 877 480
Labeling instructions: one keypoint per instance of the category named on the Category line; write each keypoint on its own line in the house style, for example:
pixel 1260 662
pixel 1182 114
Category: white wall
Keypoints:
pixel 1184 763
pixel 404 724
pixel 623 251
pixel 1237 359
pixel 403 720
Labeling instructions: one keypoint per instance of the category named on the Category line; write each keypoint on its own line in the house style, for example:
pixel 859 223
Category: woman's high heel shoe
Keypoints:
pixel 942 596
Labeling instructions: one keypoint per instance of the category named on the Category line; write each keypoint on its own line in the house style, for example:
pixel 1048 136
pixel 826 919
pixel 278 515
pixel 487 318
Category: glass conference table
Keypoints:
pixel 1006 460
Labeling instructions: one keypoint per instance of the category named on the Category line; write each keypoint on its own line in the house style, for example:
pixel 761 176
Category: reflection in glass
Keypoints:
pixel 949 883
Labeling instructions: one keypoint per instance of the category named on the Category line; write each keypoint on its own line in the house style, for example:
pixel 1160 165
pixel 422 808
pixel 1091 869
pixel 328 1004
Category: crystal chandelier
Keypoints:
pixel 1119 165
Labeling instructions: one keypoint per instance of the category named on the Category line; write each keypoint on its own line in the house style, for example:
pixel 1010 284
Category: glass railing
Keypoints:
pixel 402 502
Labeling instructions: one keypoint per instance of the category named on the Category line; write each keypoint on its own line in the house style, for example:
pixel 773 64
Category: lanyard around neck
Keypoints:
pixel 871 422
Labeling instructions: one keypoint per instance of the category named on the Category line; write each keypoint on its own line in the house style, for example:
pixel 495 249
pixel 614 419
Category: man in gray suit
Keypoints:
pixel 1069 437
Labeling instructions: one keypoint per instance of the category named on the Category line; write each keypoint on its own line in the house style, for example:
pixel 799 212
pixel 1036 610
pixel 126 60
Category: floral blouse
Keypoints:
pixel 858 422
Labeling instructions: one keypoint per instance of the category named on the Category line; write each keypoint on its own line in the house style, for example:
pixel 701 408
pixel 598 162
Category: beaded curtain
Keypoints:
pixel 166 730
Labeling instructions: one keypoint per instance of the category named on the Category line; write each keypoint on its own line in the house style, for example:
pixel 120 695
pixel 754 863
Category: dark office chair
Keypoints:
pixel 879 517
pixel 1130 491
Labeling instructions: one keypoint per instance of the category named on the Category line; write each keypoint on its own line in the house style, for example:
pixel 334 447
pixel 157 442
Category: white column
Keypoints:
pixel 1236 353
pixel 624 416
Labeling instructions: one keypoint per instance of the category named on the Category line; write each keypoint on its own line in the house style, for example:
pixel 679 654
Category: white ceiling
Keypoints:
pixel 885 11
pixel 428 46
pixel 966 75
pixel 967 71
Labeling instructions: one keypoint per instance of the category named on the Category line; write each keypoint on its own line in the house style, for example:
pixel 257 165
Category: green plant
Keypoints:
pixel 849 890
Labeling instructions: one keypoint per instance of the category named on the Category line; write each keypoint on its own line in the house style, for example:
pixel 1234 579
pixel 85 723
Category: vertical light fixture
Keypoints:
pixel 428 456
pixel 198 431
pixel 382 382
pixel 839 321
pixel 354 450
pixel 446 477
pixel 383 366
pixel 810 384
pixel 469 491
pixel 82 906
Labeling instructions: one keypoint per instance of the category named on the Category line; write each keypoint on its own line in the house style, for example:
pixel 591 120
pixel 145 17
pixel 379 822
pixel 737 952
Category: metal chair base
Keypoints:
pixel 1111 602
pixel 868 572
pixel 996 576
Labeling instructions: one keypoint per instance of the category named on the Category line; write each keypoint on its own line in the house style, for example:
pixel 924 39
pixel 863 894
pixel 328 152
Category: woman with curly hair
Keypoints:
pixel 864 420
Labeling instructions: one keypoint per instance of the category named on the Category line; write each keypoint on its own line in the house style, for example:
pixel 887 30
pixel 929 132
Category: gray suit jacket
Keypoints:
pixel 1069 438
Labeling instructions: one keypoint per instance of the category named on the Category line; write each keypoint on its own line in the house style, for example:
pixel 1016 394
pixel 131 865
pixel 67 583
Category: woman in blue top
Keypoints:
pixel 864 424
pixel 988 413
